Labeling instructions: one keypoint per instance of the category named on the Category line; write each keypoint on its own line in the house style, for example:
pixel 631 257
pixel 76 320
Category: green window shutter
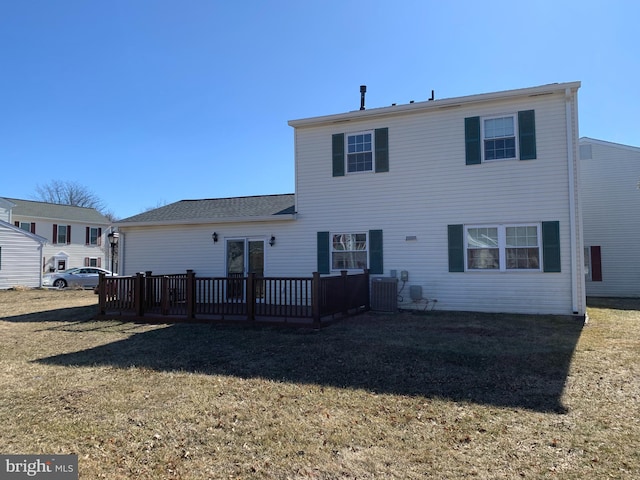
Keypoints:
pixel 376 265
pixel 382 149
pixel 527 134
pixel 456 248
pixel 472 140
pixel 338 154
pixel 324 255
pixel 551 246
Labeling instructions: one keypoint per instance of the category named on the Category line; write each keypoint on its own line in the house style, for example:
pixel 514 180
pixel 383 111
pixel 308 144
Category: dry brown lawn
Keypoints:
pixel 440 395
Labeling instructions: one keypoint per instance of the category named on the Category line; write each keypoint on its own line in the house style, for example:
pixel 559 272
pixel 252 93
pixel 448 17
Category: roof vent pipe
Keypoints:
pixel 363 90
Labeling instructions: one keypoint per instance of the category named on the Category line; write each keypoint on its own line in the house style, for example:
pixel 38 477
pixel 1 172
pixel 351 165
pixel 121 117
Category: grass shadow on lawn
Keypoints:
pixel 71 314
pixel 616 303
pixel 514 361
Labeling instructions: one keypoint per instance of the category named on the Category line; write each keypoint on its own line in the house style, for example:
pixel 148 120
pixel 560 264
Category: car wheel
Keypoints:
pixel 60 283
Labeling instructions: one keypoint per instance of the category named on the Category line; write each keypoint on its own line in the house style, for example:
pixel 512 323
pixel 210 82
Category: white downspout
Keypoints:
pixel 572 201
pixel 41 250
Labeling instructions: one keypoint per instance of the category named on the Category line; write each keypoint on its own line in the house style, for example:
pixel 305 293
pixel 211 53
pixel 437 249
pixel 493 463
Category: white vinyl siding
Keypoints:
pixel 610 206
pixel 429 187
pixel 20 259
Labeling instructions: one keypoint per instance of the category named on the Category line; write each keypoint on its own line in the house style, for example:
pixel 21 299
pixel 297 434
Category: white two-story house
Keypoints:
pixel 471 201
pixel 75 236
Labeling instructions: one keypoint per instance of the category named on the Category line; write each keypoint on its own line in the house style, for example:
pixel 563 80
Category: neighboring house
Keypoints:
pixel 20 256
pixel 473 199
pixel 76 236
pixel 610 187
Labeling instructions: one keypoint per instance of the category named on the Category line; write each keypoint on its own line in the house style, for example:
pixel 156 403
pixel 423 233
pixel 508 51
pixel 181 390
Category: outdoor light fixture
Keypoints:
pixel 113 240
pixel 214 236
pixel 272 240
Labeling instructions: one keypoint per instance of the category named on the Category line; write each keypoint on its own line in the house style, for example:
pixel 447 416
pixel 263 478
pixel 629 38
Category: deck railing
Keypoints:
pixel 249 298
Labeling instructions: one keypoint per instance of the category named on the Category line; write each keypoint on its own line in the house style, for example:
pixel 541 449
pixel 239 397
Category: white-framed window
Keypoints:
pixel 499 139
pixel 349 251
pixel 26 226
pixel 93 262
pixel 503 247
pixel 94 235
pixel 62 234
pixel 359 152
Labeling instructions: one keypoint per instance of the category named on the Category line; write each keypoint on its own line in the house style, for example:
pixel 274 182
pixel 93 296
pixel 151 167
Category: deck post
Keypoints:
pixel 251 297
pixel 102 295
pixel 165 295
pixel 191 297
pixel 315 298
pixel 366 286
pixel 344 293
pixel 149 294
pixel 138 289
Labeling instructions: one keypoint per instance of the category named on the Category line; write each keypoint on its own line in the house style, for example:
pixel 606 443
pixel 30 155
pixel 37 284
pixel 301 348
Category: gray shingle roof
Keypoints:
pixel 34 209
pixel 218 208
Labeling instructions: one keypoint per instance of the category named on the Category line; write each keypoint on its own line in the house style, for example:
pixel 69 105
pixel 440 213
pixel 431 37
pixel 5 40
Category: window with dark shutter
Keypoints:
pixel 364 152
pixel 494 138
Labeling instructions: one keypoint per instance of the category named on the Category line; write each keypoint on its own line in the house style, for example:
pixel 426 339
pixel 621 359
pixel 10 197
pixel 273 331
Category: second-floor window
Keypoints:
pixel 26 226
pixel 510 136
pixel 499 138
pixel 62 234
pixel 366 151
pixel 359 152
pixel 93 236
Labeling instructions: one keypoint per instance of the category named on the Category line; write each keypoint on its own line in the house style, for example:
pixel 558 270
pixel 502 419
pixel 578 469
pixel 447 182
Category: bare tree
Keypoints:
pixel 69 193
pixel 159 204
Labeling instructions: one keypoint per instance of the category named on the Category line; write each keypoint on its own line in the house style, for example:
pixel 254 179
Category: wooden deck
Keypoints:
pixel 300 302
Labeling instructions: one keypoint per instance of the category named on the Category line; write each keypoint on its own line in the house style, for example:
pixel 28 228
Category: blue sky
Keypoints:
pixel 148 102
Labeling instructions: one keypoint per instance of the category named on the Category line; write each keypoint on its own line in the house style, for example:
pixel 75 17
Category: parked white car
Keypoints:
pixel 85 277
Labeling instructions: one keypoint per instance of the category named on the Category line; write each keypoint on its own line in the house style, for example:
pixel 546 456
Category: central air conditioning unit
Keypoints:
pixel 384 294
